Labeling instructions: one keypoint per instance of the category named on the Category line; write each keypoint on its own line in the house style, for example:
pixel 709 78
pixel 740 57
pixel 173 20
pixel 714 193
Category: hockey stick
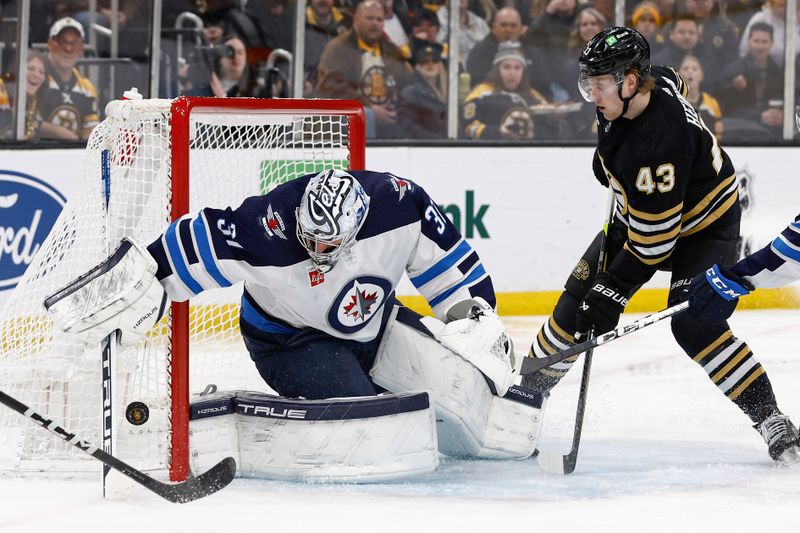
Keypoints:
pixel 531 364
pixel 554 463
pixel 219 476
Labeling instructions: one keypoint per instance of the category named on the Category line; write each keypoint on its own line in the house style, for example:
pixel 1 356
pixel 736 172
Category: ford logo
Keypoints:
pixel 28 209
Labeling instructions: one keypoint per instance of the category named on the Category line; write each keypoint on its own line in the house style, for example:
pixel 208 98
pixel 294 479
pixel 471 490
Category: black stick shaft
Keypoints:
pixel 218 477
pixel 531 365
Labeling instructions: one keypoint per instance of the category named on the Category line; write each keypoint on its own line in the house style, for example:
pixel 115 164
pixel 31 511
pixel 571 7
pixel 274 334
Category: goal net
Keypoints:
pixel 146 164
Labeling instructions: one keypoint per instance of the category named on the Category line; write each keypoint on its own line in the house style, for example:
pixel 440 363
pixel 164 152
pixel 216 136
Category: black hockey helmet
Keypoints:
pixel 615 49
pixel 613 52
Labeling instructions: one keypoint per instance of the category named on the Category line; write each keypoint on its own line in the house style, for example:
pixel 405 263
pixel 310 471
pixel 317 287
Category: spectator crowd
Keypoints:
pixel 517 61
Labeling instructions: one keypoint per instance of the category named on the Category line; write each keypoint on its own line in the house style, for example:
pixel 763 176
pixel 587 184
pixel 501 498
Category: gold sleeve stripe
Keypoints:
pixel 744 351
pixel 706 201
pixel 544 344
pixel 655 217
pixel 564 335
pixel 746 383
pixel 653 239
pixel 553 373
pixel 713 346
pixel 475 129
pixel 711 217
pixel 649 261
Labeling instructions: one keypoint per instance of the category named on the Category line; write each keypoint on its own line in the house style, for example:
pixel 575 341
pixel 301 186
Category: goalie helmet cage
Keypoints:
pixel 165 158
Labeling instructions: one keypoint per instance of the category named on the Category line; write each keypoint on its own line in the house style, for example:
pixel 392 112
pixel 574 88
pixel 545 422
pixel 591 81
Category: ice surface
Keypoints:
pixel 662 450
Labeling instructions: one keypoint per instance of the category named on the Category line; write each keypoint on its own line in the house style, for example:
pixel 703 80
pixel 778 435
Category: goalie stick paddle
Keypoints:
pixel 218 477
pixel 532 364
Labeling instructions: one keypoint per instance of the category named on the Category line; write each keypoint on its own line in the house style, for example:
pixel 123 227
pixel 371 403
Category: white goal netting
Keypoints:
pixel 128 184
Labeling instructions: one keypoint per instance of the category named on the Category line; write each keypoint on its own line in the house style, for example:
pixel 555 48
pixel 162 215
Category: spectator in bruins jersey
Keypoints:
pixel 422 108
pixel 68 100
pixel 754 88
pixel 324 21
pixel 706 105
pixel 646 19
pixel 499 108
pixel 362 65
pixel 676 209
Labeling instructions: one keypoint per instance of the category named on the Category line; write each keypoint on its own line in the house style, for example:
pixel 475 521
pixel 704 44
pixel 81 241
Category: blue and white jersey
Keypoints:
pixel 777 264
pixel 404 231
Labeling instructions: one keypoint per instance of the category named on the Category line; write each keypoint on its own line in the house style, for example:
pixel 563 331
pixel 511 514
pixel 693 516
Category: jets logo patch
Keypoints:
pixel 358 302
pixel 273 224
pixel 401 186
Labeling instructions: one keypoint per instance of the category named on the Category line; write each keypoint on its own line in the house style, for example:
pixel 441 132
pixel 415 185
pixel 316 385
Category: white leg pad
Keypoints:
pixel 472 420
pixel 377 438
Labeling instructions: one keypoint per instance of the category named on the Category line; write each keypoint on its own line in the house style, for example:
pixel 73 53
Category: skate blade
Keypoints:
pixel 790 456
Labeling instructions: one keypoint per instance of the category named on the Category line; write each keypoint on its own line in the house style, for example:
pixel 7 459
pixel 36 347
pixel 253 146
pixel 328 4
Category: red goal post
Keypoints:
pixel 181 111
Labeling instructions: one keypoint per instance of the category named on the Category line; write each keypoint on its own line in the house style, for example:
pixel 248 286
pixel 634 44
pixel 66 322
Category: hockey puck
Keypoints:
pixel 137 413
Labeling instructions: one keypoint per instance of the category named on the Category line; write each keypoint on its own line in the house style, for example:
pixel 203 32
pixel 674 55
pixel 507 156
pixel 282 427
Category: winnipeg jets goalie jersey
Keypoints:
pixel 776 264
pixel 255 243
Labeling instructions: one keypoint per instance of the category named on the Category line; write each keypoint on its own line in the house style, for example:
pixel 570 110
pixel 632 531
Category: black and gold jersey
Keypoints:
pixel 670 176
pixel 487 110
pixel 71 104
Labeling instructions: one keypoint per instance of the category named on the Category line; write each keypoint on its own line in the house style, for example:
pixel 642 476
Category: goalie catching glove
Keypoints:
pixel 474 331
pixel 120 293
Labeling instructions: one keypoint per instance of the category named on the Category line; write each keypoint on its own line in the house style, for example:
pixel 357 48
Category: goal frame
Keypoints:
pixel 180 112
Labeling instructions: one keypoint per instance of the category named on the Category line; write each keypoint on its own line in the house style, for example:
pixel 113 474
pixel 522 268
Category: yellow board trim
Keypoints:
pixel 644 301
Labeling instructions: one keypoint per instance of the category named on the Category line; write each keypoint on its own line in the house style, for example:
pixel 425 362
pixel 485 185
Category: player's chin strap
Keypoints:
pixel 626 101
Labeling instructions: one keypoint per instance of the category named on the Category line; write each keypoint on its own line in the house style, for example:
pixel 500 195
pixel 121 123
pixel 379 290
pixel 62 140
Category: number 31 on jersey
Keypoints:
pixel 664 179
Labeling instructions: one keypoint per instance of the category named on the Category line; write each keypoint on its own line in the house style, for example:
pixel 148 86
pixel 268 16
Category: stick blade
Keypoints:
pixel 209 482
pixel 552 463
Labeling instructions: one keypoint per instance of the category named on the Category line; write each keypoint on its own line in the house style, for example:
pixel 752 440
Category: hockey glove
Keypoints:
pixel 714 294
pixel 601 306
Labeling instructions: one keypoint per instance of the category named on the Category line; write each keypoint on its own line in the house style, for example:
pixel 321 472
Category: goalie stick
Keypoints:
pixel 218 477
pixel 531 364
pixel 565 464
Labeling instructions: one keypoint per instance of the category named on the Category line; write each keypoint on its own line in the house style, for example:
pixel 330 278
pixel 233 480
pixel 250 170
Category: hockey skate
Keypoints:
pixel 781 436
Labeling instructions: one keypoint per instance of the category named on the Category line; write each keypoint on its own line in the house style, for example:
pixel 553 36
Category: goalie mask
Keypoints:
pixel 332 210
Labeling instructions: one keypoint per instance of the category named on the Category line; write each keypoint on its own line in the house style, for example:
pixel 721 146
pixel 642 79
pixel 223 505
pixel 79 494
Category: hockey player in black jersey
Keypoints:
pixel 676 209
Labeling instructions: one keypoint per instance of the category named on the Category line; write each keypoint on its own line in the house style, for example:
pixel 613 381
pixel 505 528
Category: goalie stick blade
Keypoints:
pixel 209 482
pixel 552 463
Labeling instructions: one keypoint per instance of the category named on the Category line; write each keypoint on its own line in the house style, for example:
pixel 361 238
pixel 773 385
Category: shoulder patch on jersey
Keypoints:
pixel 469 110
pixel 400 185
pixel 358 302
pixel 581 270
pixel 273 224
